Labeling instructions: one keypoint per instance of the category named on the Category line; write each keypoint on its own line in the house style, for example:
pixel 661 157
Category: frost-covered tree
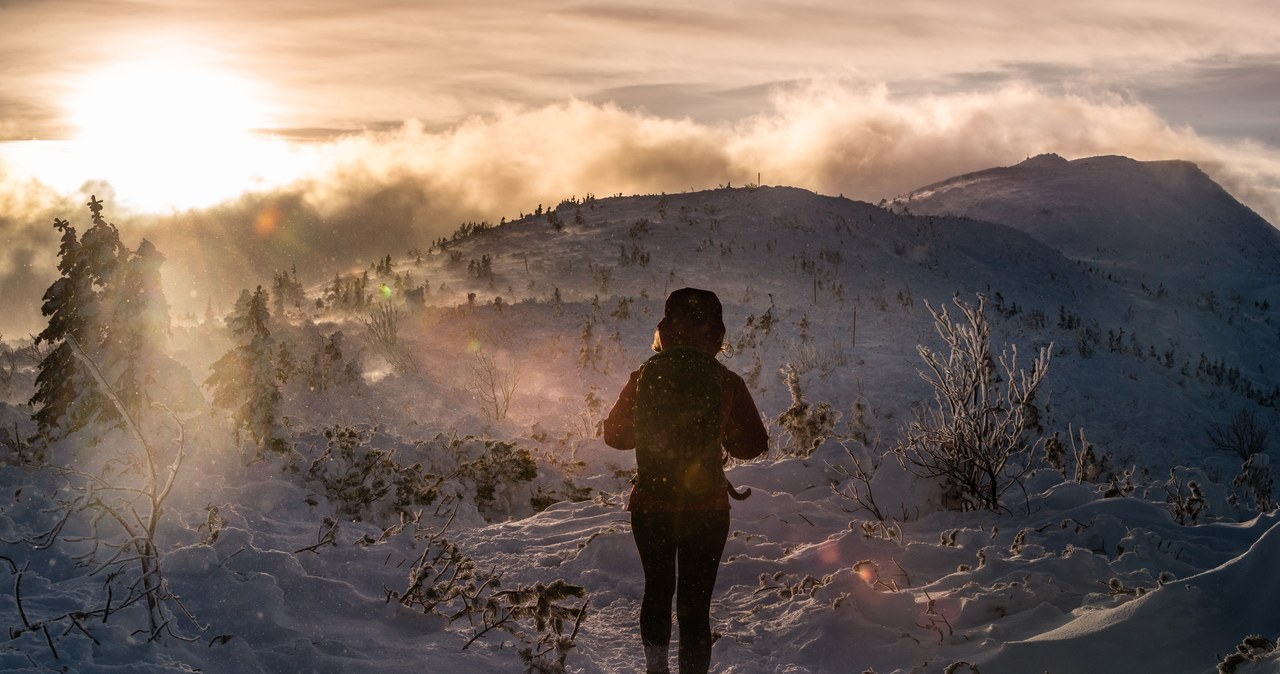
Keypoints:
pixel 287 290
pixel 66 398
pixel 328 367
pixel 135 349
pixel 58 371
pixel 243 380
pixel 978 437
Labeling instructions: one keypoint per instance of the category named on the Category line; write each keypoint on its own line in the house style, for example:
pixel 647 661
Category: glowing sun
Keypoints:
pixel 171 132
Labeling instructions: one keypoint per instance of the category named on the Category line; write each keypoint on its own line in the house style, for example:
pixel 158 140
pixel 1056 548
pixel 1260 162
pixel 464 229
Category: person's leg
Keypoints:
pixel 702 540
pixel 656 543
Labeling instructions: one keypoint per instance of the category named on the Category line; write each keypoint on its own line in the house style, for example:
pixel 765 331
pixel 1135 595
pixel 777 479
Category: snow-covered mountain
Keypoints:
pixel 847 282
pixel 1161 221
pixel 280 572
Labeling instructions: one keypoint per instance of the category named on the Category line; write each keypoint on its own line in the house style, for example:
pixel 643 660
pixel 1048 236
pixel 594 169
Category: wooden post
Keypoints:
pixel 853 331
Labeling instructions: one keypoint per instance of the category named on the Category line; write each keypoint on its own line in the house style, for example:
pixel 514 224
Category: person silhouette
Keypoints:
pixel 681 411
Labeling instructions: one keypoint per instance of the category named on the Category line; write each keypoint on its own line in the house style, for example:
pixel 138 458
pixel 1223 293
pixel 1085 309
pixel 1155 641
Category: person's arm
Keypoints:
pixel 620 425
pixel 744 433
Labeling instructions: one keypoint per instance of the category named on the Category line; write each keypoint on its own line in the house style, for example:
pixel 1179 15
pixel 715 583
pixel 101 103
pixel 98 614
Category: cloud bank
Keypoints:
pixel 830 137
pixel 383 192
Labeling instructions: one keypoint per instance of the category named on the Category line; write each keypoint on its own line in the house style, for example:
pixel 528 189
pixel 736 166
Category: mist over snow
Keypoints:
pixel 351 195
pixel 464 448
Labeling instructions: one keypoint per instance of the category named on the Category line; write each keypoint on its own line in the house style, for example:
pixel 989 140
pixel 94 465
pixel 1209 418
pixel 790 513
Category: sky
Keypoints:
pixel 403 119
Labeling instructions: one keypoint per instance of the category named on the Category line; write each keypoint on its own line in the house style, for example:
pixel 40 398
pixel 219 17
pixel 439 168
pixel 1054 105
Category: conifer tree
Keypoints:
pixel 244 379
pixel 136 341
pixel 66 398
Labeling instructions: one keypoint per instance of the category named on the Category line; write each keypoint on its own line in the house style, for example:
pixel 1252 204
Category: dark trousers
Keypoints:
pixel 680 553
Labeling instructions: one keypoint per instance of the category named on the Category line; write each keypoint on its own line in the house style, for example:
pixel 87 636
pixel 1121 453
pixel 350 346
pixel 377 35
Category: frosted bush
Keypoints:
pixel 977 437
pixel 501 467
pixel 1185 498
pixel 1253 484
pixel 362 480
pixel 806 425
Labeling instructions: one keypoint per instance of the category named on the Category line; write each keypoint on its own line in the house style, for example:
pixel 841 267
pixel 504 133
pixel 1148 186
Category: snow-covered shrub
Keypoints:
pixel 1087 464
pixel 807 356
pixel 545 606
pixel 361 480
pixel 1253 484
pixel 445 581
pixel 1185 498
pixel 806 426
pixel 879 530
pixel 976 437
pixel 1121 484
pixel 501 465
pixel 789 585
pixel 1087 338
pixel 442 579
pixel 753 332
pixel 1252 649
pixel 543 499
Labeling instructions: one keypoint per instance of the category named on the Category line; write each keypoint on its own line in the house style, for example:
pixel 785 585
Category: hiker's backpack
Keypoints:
pixel 679 405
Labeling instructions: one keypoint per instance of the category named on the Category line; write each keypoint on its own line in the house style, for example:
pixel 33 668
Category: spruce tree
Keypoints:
pixel 244 379
pixel 66 398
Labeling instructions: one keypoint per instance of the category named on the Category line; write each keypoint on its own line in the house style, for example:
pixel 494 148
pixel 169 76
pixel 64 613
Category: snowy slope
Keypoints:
pixel 1065 581
pixel 1163 221
pixel 830 263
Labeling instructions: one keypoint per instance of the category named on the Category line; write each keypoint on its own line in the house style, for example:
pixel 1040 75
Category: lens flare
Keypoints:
pixel 267 221
pixel 866 570
pixel 829 553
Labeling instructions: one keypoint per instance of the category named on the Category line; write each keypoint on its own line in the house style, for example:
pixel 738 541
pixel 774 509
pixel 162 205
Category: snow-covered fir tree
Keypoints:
pixel 244 380
pixel 66 398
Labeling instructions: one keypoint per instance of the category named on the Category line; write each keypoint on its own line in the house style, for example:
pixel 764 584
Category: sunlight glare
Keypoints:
pixel 867 570
pixel 169 132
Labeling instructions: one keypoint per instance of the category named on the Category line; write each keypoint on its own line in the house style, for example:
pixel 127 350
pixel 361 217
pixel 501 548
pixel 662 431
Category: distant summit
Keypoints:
pixel 1165 221
pixel 1044 161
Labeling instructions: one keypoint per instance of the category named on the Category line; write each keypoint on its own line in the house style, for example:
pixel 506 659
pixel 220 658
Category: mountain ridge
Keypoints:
pixel 828 265
pixel 1125 215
